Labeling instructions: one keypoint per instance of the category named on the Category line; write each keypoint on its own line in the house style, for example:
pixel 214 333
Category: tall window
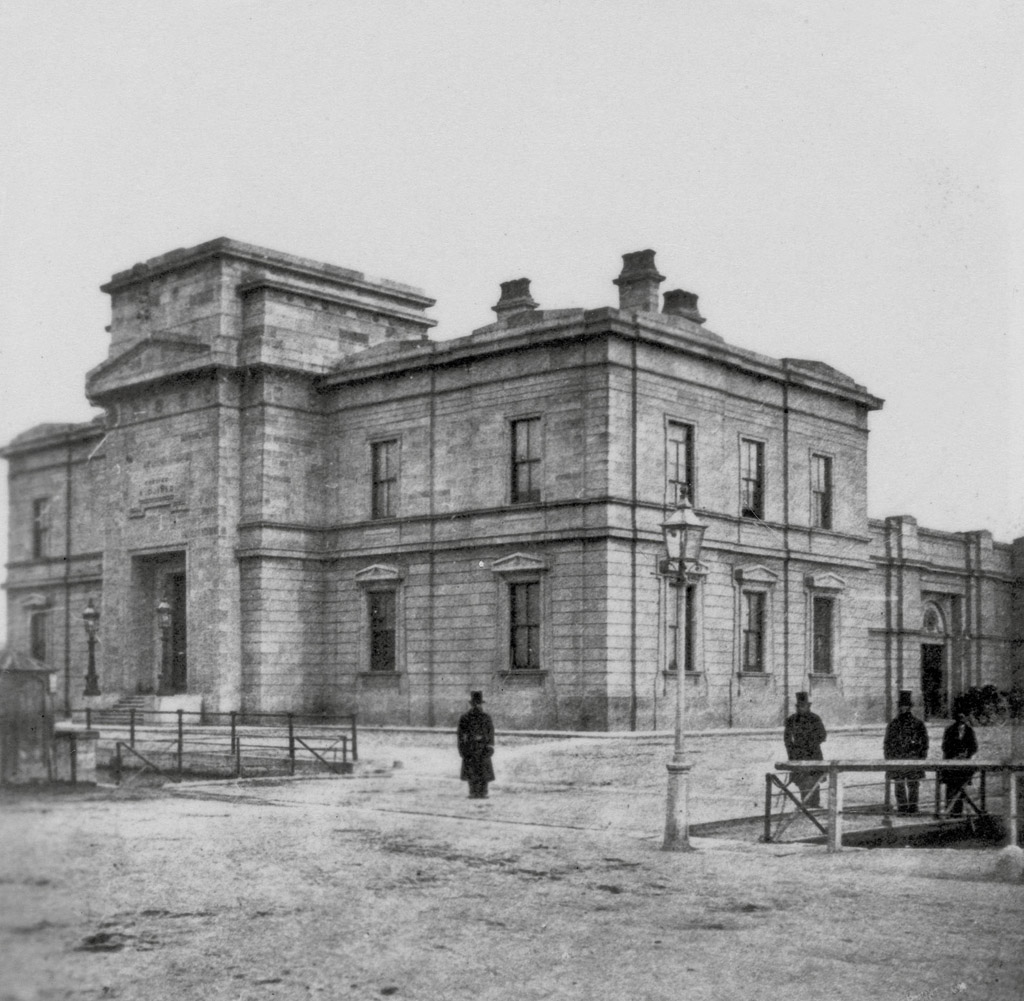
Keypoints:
pixel 40 527
pixel 37 635
pixel 385 478
pixel 753 631
pixel 524 621
pixel 822 609
pixel 751 479
pixel 821 491
pixel 680 462
pixel 526 460
pixel 382 630
pixel 673 629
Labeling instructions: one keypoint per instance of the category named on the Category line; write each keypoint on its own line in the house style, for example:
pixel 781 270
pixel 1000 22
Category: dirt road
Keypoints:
pixel 397 885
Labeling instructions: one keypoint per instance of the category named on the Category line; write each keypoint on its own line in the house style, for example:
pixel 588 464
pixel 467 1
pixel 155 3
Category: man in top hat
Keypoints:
pixel 906 737
pixel 476 746
pixel 958 744
pixel 803 735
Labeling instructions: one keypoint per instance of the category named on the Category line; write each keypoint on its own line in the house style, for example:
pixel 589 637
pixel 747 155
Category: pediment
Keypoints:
pixel 756 574
pixel 825 582
pixel 519 563
pixel 379 573
pixel 35 601
pixel 156 356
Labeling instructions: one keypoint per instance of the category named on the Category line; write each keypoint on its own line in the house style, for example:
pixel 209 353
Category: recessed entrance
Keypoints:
pixel 159 625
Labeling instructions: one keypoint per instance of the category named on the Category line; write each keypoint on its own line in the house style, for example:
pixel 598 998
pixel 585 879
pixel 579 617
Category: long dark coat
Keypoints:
pixel 957 746
pixel 476 745
pixel 804 734
pixel 906 737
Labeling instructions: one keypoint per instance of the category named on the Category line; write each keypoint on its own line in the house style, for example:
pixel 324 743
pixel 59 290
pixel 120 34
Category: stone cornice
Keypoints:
pixel 553 327
pixel 176 260
pixel 367 305
pixel 44 436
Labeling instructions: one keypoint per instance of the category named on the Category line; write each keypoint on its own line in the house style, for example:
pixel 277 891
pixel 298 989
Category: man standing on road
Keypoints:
pixel 476 746
pixel 906 737
pixel 958 743
pixel 803 735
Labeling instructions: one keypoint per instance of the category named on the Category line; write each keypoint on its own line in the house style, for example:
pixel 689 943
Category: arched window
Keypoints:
pixel 932 621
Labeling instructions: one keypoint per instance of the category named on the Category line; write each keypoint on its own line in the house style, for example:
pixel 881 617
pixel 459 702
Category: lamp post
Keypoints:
pixel 163 618
pixel 683 532
pixel 91 621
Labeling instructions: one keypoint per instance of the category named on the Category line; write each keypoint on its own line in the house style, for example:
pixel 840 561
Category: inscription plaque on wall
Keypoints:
pixel 159 484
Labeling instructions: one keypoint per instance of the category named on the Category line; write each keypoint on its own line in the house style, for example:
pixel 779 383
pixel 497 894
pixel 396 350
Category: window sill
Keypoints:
pixel 765 675
pixel 523 679
pixel 687 674
pixel 380 679
pixel 818 678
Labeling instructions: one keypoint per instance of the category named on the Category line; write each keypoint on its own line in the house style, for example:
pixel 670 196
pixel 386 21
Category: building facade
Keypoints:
pixel 295 500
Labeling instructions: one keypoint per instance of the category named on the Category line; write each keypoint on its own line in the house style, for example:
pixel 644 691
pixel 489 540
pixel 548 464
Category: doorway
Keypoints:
pixel 175 584
pixel 161 666
pixel 933 684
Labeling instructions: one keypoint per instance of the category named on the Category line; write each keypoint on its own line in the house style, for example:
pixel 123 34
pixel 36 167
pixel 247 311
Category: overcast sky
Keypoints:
pixel 836 180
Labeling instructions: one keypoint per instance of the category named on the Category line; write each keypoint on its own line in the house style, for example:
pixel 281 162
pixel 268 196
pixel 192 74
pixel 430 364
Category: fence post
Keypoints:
pixel 887 808
pixel 88 717
pixel 118 763
pixel 767 807
pixel 1011 785
pixel 835 807
pixel 238 759
pixel 355 746
pixel 131 726
pixel 234 732
pixel 938 795
pixel 181 739
pixel 984 809
pixel 291 741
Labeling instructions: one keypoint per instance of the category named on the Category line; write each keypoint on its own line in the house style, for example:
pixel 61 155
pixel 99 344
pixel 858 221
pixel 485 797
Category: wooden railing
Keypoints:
pixel 835 772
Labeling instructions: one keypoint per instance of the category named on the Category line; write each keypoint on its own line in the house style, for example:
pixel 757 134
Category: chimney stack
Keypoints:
pixel 638 283
pixel 515 298
pixel 680 303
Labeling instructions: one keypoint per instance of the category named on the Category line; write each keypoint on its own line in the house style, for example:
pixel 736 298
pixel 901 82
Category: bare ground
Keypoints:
pixel 397 885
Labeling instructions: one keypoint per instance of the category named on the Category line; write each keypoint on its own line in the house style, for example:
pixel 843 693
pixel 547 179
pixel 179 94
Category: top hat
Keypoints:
pixel 905 699
pixel 476 698
pixel 802 699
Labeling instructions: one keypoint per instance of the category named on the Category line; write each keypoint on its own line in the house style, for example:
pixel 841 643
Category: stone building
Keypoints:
pixel 294 499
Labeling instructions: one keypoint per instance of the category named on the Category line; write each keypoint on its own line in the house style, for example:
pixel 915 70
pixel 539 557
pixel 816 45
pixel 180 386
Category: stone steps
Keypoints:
pixel 120 713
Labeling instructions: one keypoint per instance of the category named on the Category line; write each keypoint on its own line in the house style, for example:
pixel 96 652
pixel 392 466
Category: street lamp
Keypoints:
pixel 91 620
pixel 683 532
pixel 163 618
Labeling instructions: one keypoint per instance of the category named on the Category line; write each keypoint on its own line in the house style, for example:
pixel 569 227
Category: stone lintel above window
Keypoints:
pixel 380 575
pixel 518 564
pixel 825 582
pixel 756 575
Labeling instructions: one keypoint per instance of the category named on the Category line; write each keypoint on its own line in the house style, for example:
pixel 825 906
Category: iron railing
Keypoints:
pixel 303 738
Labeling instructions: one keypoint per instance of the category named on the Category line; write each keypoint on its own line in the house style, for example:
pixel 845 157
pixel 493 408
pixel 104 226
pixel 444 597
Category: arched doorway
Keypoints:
pixel 934 661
